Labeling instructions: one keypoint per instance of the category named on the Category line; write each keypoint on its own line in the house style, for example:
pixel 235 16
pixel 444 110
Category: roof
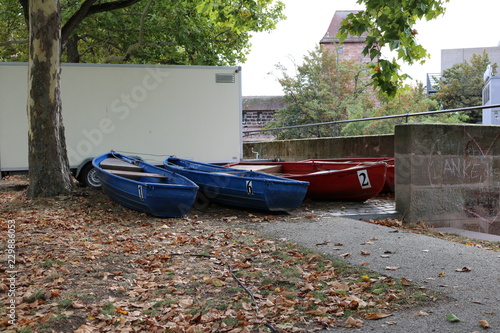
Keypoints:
pixel 263 103
pixel 334 28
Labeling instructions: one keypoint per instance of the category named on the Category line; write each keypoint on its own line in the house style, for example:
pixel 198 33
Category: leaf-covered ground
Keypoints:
pixel 85 264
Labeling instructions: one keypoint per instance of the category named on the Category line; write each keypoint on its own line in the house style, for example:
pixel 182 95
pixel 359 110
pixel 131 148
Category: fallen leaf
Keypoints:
pixel 217 283
pixel 121 311
pixel 375 316
pixel 484 323
pixel 345 255
pixel 463 269
pixel 420 314
pixel 391 297
pixel 76 305
pixel 392 268
pixel 323 243
pixel 353 322
pixel 441 274
pixel 365 253
pixel 405 282
pixel 85 329
pixel 452 318
pixel 185 303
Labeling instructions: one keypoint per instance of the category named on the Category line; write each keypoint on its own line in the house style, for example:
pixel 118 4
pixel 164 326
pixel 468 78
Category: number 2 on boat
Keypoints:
pixel 364 181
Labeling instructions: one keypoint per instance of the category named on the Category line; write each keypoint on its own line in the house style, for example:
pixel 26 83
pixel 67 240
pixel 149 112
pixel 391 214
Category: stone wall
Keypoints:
pixel 301 149
pixel 449 175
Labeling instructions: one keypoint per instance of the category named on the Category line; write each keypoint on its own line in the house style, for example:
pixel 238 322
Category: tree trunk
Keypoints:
pixel 49 173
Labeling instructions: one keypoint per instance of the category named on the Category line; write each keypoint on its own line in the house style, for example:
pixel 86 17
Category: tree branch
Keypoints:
pixel 88 8
pixel 26 13
pixel 131 49
pixel 14 42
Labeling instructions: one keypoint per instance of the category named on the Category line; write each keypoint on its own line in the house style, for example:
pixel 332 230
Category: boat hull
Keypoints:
pixel 332 181
pixel 390 172
pixel 168 196
pixel 241 188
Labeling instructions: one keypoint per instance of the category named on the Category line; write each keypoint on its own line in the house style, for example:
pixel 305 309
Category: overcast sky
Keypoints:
pixel 465 24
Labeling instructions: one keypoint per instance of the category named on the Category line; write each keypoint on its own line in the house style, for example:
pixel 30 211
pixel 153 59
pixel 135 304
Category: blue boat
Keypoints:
pixel 241 188
pixel 144 187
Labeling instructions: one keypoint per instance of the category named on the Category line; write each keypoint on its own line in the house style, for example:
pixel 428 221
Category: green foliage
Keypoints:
pixel 324 89
pixel 13 32
pixel 408 99
pixel 187 32
pixel 389 24
pixel 461 85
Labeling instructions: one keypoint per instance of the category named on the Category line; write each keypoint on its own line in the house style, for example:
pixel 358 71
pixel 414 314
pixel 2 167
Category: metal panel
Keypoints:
pixel 148 111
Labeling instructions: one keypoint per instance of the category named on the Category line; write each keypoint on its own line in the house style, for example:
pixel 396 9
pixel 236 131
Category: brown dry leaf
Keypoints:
pixel 392 268
pixel 76 305
pixel 405 282
pixel 391 297
pixel 353 322
pixel 85 329
pixel 186 302
pixel 442 274
pixel 364 253
pixel 484 323
pixel 463 269
pixel 375 316
pixel 267 303
pixel 345 255
pixel 421 314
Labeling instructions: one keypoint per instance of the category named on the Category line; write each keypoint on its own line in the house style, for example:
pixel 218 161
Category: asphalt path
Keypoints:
pixel 471 295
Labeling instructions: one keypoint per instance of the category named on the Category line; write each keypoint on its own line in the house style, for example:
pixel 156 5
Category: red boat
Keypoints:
pixel 389 176
pixel 328 180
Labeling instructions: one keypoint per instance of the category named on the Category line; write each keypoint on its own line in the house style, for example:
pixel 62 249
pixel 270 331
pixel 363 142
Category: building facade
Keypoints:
pixel 351 48
pixel 257 112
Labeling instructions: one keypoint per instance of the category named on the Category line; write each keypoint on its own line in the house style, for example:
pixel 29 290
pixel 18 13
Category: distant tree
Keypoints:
pixel 390 24
pixel 408 99
pixel 461 85
pixel 323 89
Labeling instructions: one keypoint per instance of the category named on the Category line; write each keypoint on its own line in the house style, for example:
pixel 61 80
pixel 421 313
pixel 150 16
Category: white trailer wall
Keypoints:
pixel 150 111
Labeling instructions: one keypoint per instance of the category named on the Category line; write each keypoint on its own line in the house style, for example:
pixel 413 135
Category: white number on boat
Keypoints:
pixel 141 195
pixel 249 187
pixel 364 181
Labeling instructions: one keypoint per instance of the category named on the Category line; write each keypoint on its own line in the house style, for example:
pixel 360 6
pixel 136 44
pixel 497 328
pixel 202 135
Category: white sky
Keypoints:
pixel 465 24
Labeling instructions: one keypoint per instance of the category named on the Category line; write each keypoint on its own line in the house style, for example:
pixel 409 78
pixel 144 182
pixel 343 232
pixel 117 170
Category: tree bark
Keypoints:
pixel 72 54
pixel 49 173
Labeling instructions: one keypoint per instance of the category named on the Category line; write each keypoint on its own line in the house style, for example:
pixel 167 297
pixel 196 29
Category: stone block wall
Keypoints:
pixel 449 175
pixel 301 149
